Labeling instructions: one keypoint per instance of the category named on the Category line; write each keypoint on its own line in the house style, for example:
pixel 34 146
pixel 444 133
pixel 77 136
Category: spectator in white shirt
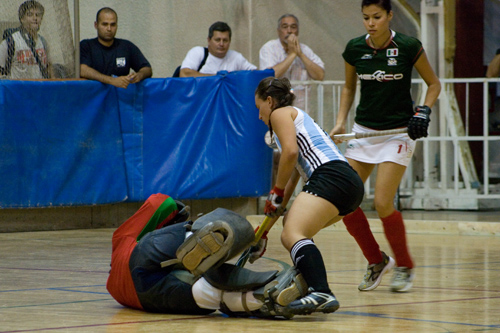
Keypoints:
pixel 219 57
pixel 291 59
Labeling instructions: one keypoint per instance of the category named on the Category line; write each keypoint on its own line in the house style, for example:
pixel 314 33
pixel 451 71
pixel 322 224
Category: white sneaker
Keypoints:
pixel 402 279
pixel 374 273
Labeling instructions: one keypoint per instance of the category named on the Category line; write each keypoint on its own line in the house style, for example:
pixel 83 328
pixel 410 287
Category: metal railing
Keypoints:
pixel 442 174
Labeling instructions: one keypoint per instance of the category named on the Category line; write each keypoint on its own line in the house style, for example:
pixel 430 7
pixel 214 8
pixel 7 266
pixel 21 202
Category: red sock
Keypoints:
pixel 395 233
pixel 359 228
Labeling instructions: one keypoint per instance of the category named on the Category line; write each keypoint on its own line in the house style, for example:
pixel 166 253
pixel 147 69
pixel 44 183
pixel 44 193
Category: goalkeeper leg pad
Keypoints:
pixel 217 237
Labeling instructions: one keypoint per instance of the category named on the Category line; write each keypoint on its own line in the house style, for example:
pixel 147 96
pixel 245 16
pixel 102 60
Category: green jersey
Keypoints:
pixel 385 76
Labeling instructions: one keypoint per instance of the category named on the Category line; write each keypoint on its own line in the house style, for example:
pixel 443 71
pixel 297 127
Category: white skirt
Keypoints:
pixel 396 148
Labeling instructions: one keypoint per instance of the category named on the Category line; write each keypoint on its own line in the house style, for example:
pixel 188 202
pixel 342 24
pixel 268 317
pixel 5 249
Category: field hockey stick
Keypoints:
pixel 350 136
pixel 258 235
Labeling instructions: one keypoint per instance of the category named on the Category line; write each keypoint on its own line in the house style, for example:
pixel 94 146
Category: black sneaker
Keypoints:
pixel 314 302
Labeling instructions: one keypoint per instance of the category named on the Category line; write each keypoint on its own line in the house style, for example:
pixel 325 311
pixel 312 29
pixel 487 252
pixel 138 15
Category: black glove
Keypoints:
pixel 182 215
pixel 419 123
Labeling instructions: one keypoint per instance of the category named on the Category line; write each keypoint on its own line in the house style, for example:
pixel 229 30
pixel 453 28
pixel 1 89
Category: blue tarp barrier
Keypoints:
pixel 207 144
pixel 66 143
pixel 60 144
pixel 131 119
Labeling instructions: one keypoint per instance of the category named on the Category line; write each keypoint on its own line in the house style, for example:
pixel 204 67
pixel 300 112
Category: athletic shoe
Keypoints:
pixel 403 279
pixel 314 302
pixel 374 273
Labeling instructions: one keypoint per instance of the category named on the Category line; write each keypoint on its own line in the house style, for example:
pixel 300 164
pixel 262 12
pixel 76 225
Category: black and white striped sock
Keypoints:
pixel 308 260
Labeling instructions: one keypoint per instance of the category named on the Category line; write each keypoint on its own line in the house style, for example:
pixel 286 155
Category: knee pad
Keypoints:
pixel 288 286
pixel 277 291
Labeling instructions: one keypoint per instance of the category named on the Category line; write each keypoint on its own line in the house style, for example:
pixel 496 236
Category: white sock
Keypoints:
pixel 209 297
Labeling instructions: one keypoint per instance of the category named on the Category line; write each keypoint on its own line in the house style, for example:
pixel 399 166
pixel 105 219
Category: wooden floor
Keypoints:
pixel 55 282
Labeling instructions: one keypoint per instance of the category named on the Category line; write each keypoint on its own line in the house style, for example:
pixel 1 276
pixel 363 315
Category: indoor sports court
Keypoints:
pixel 54 281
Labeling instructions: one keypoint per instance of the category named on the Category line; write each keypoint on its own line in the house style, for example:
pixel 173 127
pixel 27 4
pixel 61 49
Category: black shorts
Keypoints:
pixel 339 183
